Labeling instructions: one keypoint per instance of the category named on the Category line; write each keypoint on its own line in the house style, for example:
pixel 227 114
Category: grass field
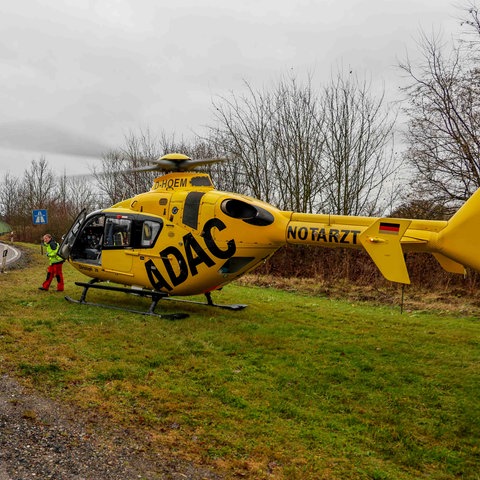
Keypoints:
pixel 293 387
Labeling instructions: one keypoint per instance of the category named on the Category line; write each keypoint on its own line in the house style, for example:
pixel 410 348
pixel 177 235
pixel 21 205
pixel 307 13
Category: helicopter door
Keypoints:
pixel 86 246
pixel 117 244
pixel 69 239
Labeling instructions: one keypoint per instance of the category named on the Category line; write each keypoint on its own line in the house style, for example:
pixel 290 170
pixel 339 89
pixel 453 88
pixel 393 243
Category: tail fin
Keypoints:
pixel 382 242
pixel 460 239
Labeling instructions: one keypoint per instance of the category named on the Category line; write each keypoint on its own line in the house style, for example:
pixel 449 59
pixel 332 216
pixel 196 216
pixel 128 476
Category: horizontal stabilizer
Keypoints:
pixel 382 242
pixel 450 265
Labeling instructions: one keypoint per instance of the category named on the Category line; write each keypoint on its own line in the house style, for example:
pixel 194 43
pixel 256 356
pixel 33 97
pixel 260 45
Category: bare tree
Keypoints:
pixel 117 179
pixel 36 190
pixel 297 146
pixel 274 142
pixel 243 132
pixel 470 33
pixel 358 155
pixel 169 144
pixel 9 197
pixel 443 109
pixel 140 150
pixel 109 178
pixel 309 153
pixel 38 185
pixel 75 193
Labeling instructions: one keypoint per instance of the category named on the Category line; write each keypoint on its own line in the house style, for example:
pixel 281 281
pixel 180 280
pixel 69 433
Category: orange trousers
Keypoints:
pixel 54 271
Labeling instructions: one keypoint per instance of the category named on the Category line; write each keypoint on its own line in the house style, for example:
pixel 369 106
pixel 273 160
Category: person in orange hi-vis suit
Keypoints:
pixel 55 267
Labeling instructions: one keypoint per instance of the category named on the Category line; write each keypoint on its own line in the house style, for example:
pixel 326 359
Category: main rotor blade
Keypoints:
pixel 191 164
pixel 148 168
pixel 177 165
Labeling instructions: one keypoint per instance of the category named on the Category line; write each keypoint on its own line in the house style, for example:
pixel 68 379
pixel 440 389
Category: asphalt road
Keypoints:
pixel 11 254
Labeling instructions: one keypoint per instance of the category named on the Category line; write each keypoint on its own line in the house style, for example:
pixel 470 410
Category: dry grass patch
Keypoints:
pixel 454 300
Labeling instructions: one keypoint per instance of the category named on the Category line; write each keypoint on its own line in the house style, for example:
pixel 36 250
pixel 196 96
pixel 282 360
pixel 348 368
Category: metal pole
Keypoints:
pixel 403 298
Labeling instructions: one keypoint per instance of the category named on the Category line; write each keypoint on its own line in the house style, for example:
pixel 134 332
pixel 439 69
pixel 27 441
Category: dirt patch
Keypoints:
pixel 40 438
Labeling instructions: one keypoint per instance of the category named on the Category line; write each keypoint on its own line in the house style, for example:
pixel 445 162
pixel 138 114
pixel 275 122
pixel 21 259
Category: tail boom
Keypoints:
pixel 380 237
pixel 454 243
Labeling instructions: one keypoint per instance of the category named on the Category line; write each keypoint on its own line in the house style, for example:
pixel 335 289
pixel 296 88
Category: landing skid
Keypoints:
pixel 155 296
pixel 209 303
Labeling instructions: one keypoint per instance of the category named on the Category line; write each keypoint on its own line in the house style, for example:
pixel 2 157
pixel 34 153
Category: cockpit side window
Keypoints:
pixel 117 232
pixel 145 232
pixel 150 231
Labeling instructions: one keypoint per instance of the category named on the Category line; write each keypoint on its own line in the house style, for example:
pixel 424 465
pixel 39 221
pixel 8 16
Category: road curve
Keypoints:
pixel 12 254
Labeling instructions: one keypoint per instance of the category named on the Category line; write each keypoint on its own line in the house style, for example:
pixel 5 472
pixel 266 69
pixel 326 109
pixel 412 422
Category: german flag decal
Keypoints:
pixel 390 228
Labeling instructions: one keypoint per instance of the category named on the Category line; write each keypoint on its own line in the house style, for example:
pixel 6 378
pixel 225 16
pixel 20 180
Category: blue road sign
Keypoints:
pixel 39 217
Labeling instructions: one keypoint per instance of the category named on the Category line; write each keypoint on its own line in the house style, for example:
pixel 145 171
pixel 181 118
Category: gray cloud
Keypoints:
pixel 35 136
pixel 95 70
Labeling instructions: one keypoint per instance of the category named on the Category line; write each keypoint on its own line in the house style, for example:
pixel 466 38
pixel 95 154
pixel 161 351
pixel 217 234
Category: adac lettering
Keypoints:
pixel 328 235
pixel 180 264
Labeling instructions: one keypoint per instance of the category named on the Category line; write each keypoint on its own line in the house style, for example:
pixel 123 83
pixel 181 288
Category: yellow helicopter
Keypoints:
pixel 184 237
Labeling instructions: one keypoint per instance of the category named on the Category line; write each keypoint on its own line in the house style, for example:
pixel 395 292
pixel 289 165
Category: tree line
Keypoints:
pixel 330 148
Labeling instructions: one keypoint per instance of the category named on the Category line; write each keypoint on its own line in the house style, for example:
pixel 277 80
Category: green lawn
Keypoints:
pixel 293 387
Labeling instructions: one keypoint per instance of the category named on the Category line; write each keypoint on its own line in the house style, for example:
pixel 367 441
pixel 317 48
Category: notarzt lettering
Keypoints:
pixel 327 235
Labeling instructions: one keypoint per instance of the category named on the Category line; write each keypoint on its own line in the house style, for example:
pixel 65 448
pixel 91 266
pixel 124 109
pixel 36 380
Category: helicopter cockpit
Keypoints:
pixel 109 231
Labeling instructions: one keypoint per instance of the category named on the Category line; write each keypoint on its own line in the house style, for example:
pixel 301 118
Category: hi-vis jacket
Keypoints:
pixel 52 252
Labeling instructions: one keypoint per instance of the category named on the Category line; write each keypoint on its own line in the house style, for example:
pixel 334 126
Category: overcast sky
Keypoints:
pixel 77 75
